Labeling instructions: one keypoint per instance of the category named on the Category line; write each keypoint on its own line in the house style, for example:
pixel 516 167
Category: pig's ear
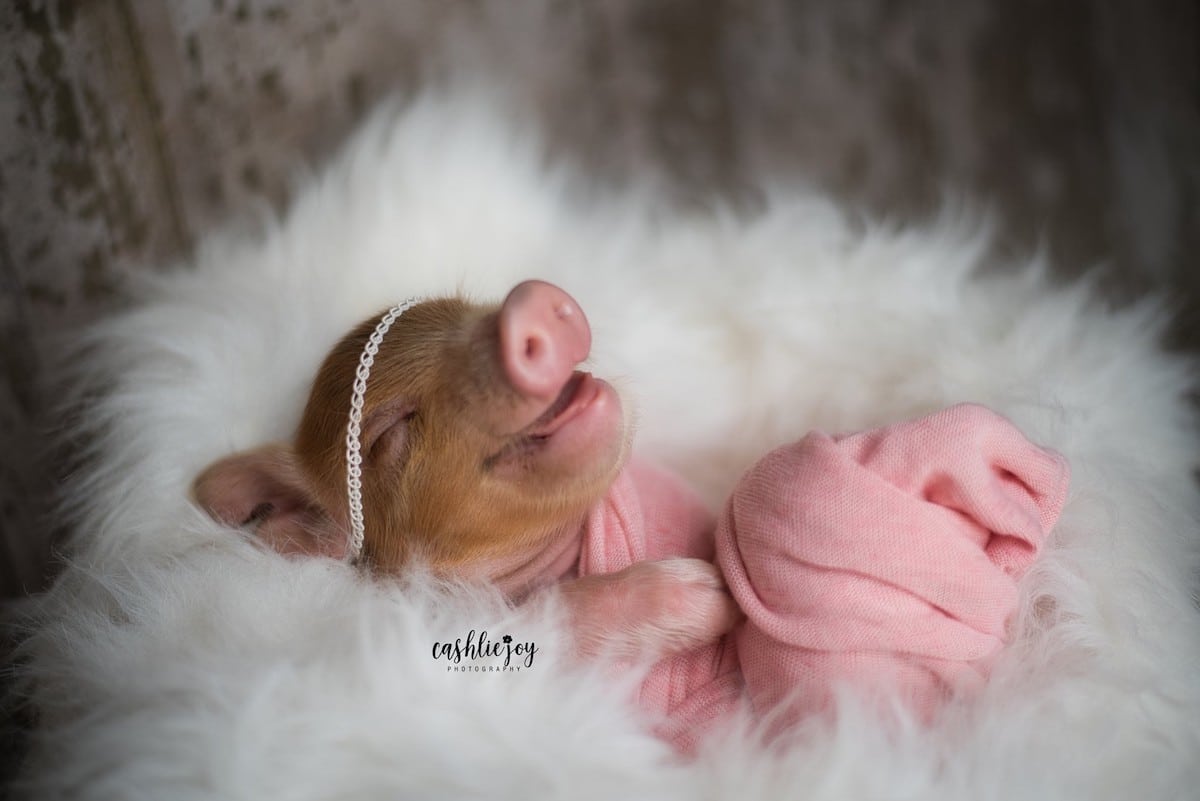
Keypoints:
pixel 266 489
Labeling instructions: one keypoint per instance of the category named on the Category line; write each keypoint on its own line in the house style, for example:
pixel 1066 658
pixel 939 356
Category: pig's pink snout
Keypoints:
pixel 543 335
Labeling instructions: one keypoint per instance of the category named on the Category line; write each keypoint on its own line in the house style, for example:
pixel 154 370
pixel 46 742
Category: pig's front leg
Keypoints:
pixel 650 609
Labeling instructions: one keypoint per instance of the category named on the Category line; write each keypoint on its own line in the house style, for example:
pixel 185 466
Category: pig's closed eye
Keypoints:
pixel 386 434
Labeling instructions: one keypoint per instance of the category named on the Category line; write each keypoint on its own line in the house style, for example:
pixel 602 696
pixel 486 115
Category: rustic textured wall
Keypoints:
pixel 129 127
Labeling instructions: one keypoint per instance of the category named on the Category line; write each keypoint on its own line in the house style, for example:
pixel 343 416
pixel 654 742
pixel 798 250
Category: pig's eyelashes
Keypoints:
pixel 386 434
pixel 392 445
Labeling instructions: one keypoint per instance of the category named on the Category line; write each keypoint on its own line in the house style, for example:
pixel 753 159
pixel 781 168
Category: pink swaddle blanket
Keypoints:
pixel 886 560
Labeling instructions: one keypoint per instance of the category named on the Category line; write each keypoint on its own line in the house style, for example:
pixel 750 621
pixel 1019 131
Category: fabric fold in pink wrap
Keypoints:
pixel 885 560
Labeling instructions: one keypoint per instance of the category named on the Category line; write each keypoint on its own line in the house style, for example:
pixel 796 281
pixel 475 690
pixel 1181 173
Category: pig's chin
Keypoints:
pixel 580 429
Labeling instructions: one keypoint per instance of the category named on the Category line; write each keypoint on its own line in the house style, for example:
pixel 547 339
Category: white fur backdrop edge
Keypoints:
pixel 175 659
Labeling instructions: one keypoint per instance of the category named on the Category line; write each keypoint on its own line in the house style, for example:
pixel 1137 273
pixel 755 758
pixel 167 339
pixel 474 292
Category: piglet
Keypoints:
pixel 485 450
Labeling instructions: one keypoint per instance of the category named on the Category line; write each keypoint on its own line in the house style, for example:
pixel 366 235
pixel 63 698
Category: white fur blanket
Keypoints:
pixel 176 659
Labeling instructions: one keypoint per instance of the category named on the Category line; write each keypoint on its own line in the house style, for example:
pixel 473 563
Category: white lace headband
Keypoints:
pixel 354 429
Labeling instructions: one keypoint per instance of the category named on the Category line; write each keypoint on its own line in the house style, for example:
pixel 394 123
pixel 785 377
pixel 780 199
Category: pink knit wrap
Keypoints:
pixel 886 560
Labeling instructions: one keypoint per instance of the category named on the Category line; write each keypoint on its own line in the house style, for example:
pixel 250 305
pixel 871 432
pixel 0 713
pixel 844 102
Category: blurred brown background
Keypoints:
pixel 130 127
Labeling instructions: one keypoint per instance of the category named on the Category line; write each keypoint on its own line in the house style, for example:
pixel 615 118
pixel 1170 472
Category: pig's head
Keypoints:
pixel 483 447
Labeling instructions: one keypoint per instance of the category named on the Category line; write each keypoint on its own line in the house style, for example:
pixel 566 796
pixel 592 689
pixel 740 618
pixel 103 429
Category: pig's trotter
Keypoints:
pixel 650 609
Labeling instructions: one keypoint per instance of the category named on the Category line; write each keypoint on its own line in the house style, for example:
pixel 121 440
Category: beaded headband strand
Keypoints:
pixel 354 429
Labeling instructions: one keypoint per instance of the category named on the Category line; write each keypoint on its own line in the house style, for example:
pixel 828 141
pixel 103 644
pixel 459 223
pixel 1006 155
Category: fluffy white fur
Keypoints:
pixel 175 659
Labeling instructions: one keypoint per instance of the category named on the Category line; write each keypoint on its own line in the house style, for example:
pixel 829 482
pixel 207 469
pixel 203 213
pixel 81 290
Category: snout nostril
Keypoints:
pixel 543 335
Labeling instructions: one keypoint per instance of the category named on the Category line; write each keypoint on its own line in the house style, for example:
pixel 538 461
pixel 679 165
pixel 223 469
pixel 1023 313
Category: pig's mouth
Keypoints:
pixel 576 395
pixel 572 429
